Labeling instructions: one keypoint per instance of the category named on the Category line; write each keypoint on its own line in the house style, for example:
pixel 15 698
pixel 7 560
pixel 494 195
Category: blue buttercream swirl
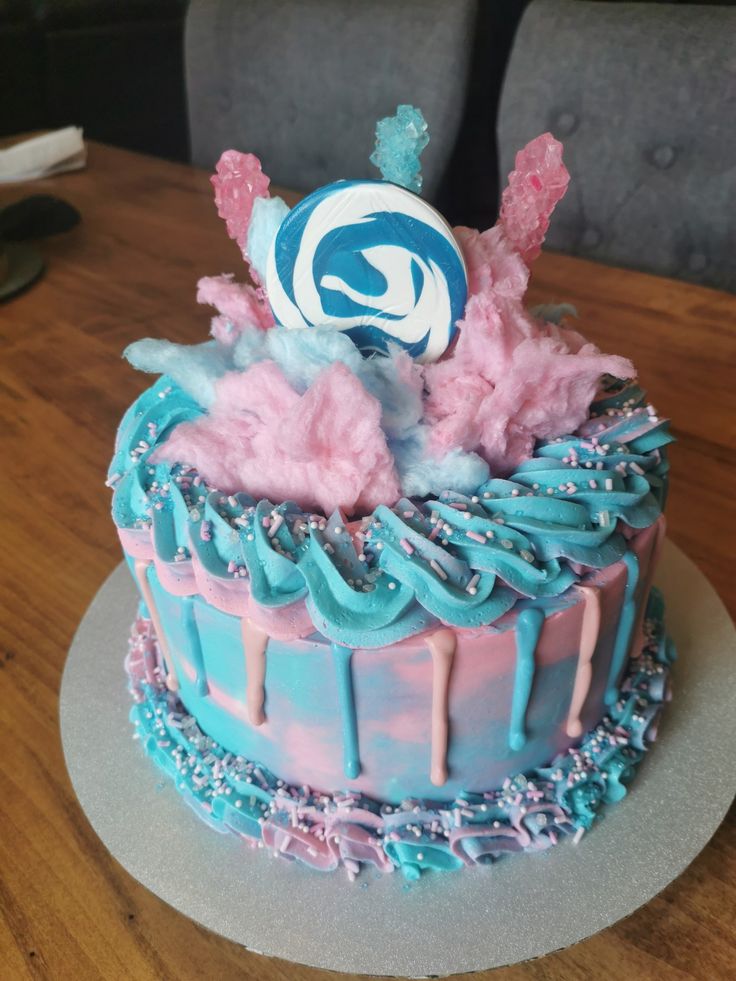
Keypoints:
pixel 462 560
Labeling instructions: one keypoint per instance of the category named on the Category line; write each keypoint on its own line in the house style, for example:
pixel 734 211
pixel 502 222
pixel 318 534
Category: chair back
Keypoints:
pixel 301 83
pixel 643 96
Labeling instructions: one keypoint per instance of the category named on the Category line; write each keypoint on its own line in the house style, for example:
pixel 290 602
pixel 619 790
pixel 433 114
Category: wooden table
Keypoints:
pixel 149 231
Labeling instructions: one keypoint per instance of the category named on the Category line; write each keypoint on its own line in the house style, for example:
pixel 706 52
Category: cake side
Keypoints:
pixel 333 717
pixel 394 533
pixel 530 812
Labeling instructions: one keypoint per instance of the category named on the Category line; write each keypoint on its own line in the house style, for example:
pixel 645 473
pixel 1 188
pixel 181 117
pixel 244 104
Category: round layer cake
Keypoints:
pixel 393 612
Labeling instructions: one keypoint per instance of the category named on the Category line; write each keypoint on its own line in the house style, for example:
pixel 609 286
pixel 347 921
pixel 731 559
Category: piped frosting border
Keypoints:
pixel 460 560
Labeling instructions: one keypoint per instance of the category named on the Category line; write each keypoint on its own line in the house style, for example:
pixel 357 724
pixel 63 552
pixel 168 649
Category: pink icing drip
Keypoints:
pixel 442 648
pixel 584 675
pixel 255 642
pixel 141 572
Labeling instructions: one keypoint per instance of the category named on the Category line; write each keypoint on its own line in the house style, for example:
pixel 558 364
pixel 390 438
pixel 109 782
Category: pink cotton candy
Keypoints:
pixel 323 449
pixel 544 392
pixel 537 183
pixel 240 306
pixel 492 263
pixel 511 380
pixel 238 182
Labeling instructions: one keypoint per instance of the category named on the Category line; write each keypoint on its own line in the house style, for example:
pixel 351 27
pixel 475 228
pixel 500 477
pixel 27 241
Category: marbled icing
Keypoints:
pixel 307 735
pixel 530 812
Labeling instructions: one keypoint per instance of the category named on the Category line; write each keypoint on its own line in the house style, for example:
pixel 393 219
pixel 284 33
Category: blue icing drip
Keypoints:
pixel 194 646
pixel 346 698
pixel 528 628
pixel 624 628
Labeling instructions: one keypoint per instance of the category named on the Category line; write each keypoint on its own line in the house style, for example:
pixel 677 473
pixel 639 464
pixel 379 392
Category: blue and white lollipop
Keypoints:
pixel 374 260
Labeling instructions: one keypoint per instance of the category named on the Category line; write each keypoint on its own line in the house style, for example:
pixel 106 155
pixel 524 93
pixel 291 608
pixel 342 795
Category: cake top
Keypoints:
pixel 379 401
pixel 421 370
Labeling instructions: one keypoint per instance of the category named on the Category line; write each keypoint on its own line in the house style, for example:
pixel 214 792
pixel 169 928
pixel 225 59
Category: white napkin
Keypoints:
pixel 42 156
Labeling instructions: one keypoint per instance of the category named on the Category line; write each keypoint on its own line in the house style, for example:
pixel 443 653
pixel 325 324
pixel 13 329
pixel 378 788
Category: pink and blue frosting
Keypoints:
pixel 530 812
pixel 381 451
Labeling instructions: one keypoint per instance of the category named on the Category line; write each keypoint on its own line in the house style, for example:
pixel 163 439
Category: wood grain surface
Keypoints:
pixel 149 230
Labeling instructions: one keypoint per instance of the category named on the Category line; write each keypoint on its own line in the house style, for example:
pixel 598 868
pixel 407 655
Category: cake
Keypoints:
pixel 394 533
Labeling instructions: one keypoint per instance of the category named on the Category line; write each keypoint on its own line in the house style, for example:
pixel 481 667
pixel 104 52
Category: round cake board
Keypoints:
pixel 521 907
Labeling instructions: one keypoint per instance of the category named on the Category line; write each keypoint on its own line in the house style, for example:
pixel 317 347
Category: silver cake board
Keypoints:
pixel 521 907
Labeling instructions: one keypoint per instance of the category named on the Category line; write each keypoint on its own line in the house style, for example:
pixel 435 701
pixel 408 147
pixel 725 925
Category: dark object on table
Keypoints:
pixel 36 217
pixel 20 265
pixel 30 218
pixel 643 97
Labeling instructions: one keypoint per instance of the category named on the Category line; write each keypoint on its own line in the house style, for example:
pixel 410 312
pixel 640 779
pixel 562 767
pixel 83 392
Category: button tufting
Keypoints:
pixel 566 123
pixel 664 156
pixel 591 238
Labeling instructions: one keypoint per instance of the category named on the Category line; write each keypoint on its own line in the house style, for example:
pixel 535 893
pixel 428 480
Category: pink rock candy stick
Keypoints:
pixel 238 182
pixel 537 183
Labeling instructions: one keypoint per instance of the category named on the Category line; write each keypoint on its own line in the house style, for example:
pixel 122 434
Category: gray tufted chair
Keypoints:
pixel 643 97
pixel 301 83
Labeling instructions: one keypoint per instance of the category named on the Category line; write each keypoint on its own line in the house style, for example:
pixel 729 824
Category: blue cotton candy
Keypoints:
pixel 401 404
pixel 400 140
pixel 249 348
pixel 195 367
pixel 303 353
pixel 265 221
pixel 422 475
pixel 553 312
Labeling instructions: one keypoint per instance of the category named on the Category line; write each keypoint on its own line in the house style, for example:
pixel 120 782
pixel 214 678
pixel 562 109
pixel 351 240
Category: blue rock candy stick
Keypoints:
pixel 400 140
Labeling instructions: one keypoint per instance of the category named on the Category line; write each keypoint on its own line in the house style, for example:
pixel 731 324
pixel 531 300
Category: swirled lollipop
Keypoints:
pixel 374 260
